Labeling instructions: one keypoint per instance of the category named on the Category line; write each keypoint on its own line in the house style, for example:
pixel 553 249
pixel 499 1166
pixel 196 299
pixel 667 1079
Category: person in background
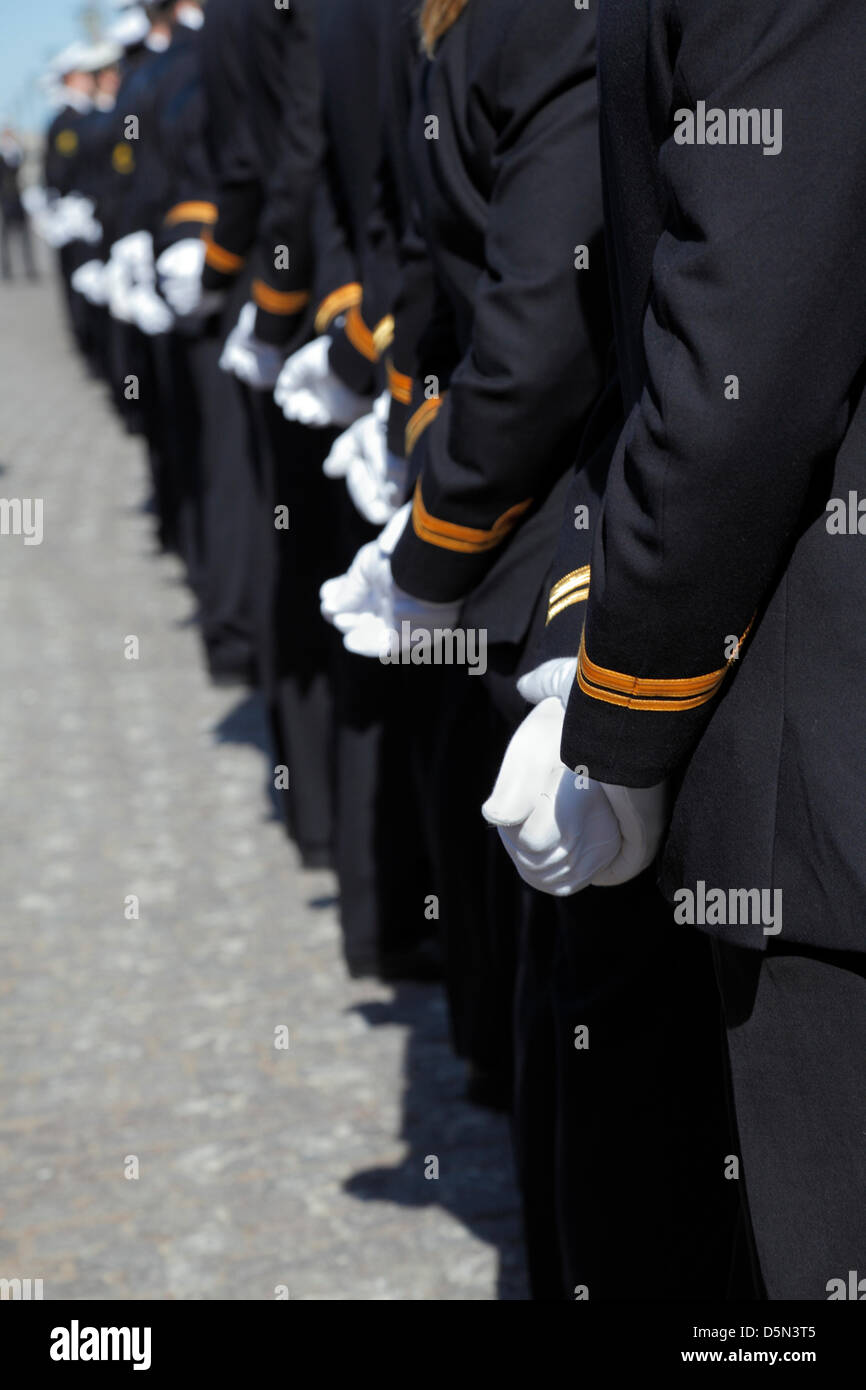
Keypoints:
pixel 14 223
pixel 60 217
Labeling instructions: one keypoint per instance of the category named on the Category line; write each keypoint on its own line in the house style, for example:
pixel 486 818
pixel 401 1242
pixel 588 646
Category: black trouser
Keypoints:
pixel 181 408
pixel 228 504
pixel 480 894
pixel 622 1140
pixel 169 410
pixel 70 257
pixel 381 849
pixel 796 1025
pixel 128 365
pixel 294 552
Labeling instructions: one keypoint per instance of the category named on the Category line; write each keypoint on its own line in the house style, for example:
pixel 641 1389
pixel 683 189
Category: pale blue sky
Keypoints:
pixel 31 32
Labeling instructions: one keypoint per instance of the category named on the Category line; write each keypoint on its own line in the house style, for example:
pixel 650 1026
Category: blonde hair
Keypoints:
pixel 437 16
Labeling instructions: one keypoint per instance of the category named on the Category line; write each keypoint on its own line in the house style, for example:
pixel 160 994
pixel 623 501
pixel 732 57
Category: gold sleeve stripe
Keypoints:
pixel 383 334
pixel 637 692
pixel 218 258
pixel 572 588
pixel 191 212
pixel 641 686
pixel 556 608
pixel 359 335
pixel 279 301
pixel 576 579
pixel 337 302
pixel 629 702
pixel 399 384
pixel 423 417
pixel 468 540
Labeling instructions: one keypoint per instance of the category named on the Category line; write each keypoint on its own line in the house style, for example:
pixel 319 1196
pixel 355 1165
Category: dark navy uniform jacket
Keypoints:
pixel 262 90
pixel 375 276
pixel 505 146
pixel 145 163
pixel 739 285
pixel 116 177
pixel 348 44
pixel 399 284
pixel 94 175
pixel 69 168
pixel 62 143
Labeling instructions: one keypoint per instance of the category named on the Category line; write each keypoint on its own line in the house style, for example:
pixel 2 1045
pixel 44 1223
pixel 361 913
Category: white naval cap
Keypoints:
pixel 100 55
pixel 70 59
pixel 131 26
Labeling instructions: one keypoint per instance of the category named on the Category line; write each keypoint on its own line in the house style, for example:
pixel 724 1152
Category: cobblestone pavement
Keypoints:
pixel 151 1041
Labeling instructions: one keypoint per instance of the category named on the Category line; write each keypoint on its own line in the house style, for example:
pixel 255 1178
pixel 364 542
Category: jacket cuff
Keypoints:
pixel 188 219
pixel 185 221
pixel 336 303
pixel 635 731
pixel 280 314
pixel 400 409
pixel 221 266
pixel 442 561
pixel 353 356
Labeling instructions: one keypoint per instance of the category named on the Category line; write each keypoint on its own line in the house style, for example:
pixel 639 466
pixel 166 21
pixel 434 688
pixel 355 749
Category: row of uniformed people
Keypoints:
pixel 393 217
pixel 497 359
pixel 675 739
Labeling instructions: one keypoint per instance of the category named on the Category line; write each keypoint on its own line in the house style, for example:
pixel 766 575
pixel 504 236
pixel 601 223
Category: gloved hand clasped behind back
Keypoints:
pixel 369 608
pixel 253 362
pixel 563 831
pixel 67 219
pixel 90 281
pixel 131 284
pixel 310 393
pixel 178 272
pixel 375 477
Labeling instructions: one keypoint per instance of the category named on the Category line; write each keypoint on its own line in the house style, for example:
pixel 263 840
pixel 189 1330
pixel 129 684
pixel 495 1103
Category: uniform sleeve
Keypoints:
pixel 282 284
pixel 239 192
pixel 753 340
pixel 568 585
pixel 193 194
pixel 339 289
pixel 510 425
pixel 413 312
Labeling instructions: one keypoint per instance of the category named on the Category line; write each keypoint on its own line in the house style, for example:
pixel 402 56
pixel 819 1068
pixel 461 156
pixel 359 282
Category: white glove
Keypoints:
pixel 179 274
pixel 34 199
pixel 134 253
pixel 643 814
pixel 118 289
pixel 309 392
pixel 90 280
pixel 253 362
pixel 90 231
pixel 558 835
pixel 51 224
pixel 375 478
pixel 150 314
pixel 130 265
pixel 81 222
pixel 70 219
pixel 44 220
pixel 367 606
pixel 560 831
